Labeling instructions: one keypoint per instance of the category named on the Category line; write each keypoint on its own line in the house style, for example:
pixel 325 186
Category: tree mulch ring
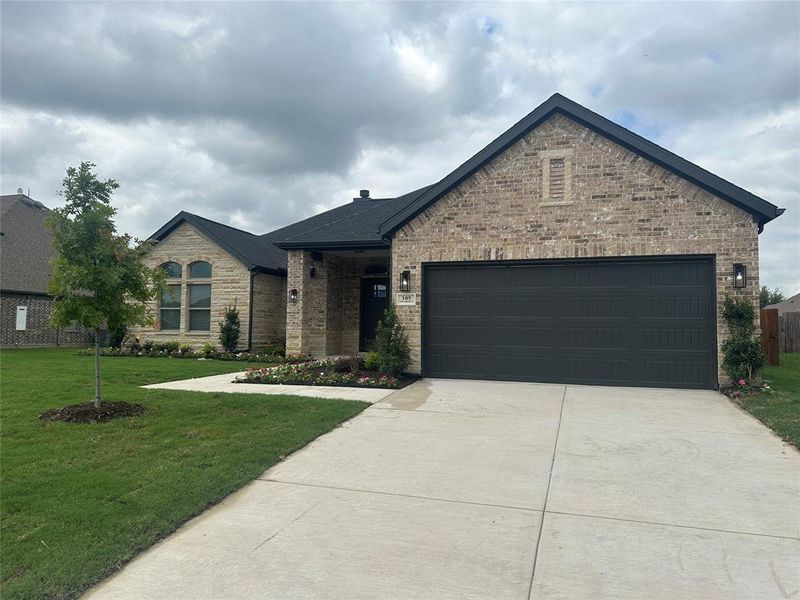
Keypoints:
pixel 87 413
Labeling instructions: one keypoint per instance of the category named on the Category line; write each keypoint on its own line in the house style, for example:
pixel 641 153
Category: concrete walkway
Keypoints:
pixel 485 490
pixel 224 383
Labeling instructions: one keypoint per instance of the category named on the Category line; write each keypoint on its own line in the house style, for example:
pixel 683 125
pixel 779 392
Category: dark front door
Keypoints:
pixel 648 322
pixel 374 301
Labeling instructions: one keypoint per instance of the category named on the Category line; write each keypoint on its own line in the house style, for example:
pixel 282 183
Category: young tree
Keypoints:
pixel 767 296
pixel 98 275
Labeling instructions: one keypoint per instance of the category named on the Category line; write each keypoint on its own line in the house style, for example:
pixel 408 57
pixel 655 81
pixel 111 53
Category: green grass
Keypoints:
pixel 780 411
pixel 79 500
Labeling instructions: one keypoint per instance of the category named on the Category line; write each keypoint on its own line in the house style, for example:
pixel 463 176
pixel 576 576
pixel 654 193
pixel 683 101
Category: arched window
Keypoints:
pixel 199 270
pixel 172 269
pixel 199 297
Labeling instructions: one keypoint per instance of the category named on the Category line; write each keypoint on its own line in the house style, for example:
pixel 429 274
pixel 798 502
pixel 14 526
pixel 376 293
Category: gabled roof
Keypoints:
pixel 354 225
pixel 762 210
pixel 26 245
pixel 791 304
pixel 256 252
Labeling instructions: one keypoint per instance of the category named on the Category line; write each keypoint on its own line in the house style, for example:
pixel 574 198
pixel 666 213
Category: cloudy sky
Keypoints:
pixel 258 114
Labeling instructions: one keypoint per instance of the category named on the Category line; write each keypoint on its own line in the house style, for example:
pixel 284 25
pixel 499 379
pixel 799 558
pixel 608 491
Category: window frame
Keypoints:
pixel 170 276
pixel 178 309
pixel 193 264
pixel 195 310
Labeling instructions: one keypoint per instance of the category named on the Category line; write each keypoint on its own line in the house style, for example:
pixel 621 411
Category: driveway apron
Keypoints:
pixel 495 490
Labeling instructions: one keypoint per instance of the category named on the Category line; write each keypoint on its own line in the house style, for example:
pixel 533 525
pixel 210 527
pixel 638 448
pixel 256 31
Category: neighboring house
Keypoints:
pixel 569 249
pixel 26 252
pixel 791 304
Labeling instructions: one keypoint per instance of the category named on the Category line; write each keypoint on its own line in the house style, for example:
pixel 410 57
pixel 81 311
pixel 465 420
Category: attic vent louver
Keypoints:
pixel 557 178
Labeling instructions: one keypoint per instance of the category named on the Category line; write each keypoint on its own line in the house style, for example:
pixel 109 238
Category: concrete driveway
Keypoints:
pixel 486 490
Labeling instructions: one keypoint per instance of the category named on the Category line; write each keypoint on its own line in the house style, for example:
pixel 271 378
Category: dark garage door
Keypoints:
pixel 648 322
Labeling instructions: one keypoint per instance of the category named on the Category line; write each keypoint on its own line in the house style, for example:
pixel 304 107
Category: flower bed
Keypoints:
pixel 742 388
pixel 149 348
pixel 342 372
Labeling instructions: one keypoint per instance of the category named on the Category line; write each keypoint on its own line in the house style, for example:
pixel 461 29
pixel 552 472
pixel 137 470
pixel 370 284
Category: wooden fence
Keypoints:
pixel 789 328
pixel 770 328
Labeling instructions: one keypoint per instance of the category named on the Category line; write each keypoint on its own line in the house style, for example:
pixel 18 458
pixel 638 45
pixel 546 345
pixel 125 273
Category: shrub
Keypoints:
pixel 743 357
pixel 391 344
pixel 134 345
pixel 372 361
pixel 147 346
pixel 739 314
pixel 229 329
pixel 185 349
pixel 116 336
pixel 275 348
pixel 209 350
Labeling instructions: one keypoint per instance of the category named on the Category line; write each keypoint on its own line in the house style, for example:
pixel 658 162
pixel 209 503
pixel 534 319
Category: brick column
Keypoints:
pixel 298 341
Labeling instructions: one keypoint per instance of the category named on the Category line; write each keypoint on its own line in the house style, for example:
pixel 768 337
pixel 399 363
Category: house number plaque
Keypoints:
pixel 406 299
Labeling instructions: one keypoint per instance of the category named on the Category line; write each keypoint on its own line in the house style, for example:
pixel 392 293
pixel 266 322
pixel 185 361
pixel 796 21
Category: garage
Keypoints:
pixel 633 321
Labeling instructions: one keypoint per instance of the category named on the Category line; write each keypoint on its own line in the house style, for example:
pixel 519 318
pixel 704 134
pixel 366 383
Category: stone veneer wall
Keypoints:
pixel 325 319
pixel 230 283
pixel 269 310
pixel 38 331
pixel 614 203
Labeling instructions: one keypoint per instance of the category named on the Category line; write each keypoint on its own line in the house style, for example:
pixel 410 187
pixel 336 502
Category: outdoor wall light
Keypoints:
pixel 293 295
pixel 405 281
pixel 739 275
pixel 313 272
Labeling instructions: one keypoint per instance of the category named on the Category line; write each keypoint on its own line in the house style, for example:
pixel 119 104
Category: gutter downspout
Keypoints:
pixel 250 313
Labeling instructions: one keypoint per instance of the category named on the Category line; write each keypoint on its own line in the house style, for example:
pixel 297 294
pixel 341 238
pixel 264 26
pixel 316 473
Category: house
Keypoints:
pixel 569 249
pixel 791 304
pixel 26 252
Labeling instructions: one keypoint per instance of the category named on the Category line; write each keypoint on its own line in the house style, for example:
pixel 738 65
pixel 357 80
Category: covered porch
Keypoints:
pixel 335 299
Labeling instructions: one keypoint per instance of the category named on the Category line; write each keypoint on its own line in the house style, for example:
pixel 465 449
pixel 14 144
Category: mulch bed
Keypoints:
pixel 87 413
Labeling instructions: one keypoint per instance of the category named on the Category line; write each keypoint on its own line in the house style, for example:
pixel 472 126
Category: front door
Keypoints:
pixel 374 301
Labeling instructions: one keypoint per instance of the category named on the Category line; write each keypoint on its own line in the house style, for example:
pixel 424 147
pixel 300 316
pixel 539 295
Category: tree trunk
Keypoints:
pixel 97 367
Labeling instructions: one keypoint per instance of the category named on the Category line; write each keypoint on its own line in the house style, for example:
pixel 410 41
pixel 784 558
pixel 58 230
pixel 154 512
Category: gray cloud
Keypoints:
pixel 258 114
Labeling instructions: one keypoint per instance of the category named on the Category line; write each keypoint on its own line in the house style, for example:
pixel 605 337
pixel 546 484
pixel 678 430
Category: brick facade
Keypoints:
pixel 610 203
pixel 38 331
pixel 325 320
pixel 230 284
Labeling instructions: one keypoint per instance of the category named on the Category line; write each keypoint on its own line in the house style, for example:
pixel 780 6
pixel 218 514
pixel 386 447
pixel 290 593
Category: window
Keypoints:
pixel 379 290
pixel 72 326
pixel 171 308
pixel 172 269
pixel 200 307
pixel 22 318
pixel 199 270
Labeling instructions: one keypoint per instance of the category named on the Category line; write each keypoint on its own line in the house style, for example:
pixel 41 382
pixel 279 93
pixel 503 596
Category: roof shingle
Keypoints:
pixel 26 245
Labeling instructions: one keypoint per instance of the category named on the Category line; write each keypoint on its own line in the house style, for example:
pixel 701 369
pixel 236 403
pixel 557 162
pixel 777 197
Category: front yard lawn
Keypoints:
pixel 79 500
pixel 780 410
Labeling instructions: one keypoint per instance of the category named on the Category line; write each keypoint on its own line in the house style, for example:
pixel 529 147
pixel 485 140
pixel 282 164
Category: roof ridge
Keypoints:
pixel 329 223
pixel 220 224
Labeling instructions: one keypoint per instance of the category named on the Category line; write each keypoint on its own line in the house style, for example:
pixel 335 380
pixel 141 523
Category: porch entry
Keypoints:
pixel 374 301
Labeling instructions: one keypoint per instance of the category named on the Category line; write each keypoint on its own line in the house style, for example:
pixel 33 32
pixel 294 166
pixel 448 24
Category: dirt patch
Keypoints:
pixel 87 413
